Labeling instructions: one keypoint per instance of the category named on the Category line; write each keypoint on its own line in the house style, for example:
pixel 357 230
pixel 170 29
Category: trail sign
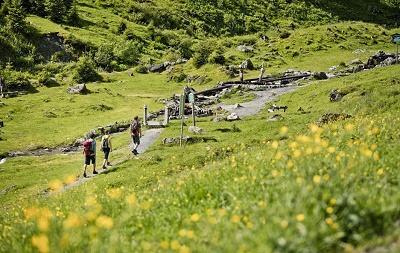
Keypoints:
pixel 396 38
pixel 191 98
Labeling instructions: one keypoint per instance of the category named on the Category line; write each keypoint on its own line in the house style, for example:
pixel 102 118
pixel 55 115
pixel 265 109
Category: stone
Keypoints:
pixel 196 130
pixel 232 117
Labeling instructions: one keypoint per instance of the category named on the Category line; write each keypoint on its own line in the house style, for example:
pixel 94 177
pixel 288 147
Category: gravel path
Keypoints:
pixel 254 107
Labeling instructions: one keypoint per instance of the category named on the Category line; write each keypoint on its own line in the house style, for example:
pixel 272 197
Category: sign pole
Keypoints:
pixel 191 100
pixel 193 117
pixel 182 113
pixel 396 39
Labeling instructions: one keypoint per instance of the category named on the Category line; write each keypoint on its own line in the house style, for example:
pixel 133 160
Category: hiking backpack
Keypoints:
pixel 104 143
pixel 135 127
pixel 88 147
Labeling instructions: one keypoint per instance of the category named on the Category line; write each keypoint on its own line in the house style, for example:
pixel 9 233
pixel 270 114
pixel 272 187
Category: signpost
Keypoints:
pixel 182 114
pixel 191 100
pixel 396 39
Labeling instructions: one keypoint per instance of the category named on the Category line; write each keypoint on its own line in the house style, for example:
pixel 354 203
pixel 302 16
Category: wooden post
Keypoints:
pixel 166 115
pixel 193 115
pixel 145 115
pixel 191 100
pixel 182 113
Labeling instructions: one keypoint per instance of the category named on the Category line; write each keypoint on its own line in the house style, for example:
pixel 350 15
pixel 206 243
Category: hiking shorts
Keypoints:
pixel 90 158
pixel 106 152
pixel 136 139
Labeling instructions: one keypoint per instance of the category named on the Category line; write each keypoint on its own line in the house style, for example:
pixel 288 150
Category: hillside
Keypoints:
pixel 321 176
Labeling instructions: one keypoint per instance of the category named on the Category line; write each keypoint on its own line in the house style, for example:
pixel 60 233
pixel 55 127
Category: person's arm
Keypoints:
pixel 109 143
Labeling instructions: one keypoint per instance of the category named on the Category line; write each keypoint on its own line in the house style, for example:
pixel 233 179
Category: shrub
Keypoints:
pixel 45 78
pixel 85 71
pixel 202 52
pixel 17 80
pixel 141 69
pixel 104 56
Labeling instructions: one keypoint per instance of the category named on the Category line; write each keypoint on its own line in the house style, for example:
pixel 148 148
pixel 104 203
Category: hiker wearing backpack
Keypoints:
pixel 89 149
pixel 106 146
pixel 136 132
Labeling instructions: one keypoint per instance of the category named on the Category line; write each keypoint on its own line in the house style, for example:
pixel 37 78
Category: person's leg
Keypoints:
pixel 87 162
pixel 94 165
pixel 136 142
pixel 105 161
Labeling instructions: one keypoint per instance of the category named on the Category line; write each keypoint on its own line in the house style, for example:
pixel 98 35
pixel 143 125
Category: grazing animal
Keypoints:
pixel 277 107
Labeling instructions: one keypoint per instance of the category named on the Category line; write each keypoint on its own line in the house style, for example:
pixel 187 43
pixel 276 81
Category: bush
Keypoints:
pixel 17 81
pixel 45 78
pixel 141 69
pixel 85 71
pixel 202 52
pixel 217 56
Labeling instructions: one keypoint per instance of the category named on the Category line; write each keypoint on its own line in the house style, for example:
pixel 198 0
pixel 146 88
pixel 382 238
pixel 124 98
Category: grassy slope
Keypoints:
pixel 250 185
pixel 280 189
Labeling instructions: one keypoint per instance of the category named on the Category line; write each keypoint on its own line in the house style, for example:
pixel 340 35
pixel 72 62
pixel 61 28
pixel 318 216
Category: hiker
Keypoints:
pixel 136 132
pixel 89 149
pixel 106 146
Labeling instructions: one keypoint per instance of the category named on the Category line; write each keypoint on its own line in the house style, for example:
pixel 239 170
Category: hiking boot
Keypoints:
pixel 95 172
pixel 108 164
pixel 135 152
pixel 104 167
pixel 84 174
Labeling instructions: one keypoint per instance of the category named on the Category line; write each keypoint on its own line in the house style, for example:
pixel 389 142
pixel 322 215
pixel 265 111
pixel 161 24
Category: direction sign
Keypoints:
pixel 191 98
pixel 396 38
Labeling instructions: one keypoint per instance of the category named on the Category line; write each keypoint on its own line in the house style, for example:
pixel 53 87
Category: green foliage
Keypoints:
pixel 127 51
pixel 201 53
pixel 15 80
pixel 141 69
pixel 104 55
pixel 15 16
pixel 217 56
pixel 85 71
pixel 45 78
pixel 55 10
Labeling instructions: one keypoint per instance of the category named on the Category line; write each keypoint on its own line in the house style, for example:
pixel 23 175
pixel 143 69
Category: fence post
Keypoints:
pixel 145 115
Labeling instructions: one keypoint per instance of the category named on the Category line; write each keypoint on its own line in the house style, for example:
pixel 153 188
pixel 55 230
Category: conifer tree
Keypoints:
pixel 55 10
pixel 15 16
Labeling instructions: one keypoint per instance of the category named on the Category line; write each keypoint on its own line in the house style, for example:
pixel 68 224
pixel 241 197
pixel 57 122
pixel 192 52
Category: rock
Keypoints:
pixel 330 117
pixel 196 130
pixel 78 89
pixel 79 142
pixel 320 75
pixel 335 95
pixel 233 117
pixel 244 48
pixel 355 61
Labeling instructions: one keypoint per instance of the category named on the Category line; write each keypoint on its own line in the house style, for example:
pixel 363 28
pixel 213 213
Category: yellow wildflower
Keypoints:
pixel 41 242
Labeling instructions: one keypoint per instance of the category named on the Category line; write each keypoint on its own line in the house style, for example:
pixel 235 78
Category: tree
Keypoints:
pixel 55 10
pixel 15 16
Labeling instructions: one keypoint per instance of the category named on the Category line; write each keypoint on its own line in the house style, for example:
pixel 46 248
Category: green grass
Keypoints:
pixel 245 186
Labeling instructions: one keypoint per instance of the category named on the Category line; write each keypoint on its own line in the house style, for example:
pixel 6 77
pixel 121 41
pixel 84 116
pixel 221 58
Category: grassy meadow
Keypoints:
pixel 245 186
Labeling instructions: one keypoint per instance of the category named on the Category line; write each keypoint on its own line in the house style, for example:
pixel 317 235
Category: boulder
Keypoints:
pixel 78 89
pixel 319 75
pixel 196 130
pixel 233 117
